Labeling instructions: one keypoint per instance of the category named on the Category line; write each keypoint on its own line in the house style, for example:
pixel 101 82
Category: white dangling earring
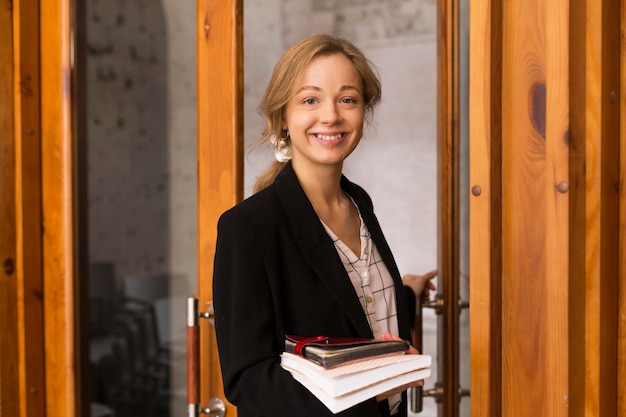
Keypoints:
pixel 282 152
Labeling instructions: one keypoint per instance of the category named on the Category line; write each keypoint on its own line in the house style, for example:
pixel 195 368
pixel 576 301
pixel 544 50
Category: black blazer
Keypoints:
pixel 277 272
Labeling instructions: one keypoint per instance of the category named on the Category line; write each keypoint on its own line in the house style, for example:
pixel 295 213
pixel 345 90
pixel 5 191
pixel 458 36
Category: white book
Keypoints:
pixel 344 386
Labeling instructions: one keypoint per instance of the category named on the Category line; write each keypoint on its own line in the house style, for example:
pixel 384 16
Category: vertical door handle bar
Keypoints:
pixel 216 407
pixel 193 357
pixel 418 393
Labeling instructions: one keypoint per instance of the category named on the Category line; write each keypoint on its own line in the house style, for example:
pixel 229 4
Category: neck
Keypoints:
pixel 321 185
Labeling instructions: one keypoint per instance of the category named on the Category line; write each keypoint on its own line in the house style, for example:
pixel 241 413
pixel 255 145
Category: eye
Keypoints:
pixel 310 101
pixel 348 100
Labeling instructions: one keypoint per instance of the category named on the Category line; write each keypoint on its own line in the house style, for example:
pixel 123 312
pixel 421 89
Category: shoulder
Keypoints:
pixel 261 206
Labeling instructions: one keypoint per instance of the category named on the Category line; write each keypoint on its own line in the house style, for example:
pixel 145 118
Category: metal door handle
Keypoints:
pixel 217 407
pixel 418 393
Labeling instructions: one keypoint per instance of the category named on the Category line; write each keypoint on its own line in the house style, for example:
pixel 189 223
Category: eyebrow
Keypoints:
pixel 314 88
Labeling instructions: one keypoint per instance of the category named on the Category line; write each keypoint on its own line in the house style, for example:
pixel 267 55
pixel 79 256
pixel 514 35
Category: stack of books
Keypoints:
pixel 344 372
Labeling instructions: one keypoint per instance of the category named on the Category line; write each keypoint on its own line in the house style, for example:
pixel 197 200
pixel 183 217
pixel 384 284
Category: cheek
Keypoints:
pixel 358 123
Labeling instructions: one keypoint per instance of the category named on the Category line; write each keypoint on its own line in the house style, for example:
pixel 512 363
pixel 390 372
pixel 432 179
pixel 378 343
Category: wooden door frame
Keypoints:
pixel 220 155
pixel 39 334
pixel 23 331
pixel 59 210
pixel 621 350
pixel 485 211
pixel 9 333
pixel 448 203
pixel 220 169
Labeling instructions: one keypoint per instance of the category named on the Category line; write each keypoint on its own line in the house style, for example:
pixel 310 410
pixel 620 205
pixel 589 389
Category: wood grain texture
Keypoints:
pixel 9 351
pixel 449 205
pixel 610 212
pixel 556 296
pixel 592 134
pixel 535 213
pixel 578 211
pixel 28 208
pixel 485 207
pixel 220 155
pixel 621 339
pixel 595 204
pixel 59 257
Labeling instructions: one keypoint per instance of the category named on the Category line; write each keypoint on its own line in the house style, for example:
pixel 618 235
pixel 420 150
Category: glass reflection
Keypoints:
pixel 140 202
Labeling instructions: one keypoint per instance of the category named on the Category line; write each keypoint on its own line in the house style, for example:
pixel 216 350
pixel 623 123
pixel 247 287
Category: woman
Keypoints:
pixel 305 254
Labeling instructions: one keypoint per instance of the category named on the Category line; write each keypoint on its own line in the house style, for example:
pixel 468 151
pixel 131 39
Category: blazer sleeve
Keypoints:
pixel 412 303
pixel 248 342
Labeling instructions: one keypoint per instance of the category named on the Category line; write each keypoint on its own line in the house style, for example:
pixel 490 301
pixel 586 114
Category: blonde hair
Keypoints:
pixel 288 71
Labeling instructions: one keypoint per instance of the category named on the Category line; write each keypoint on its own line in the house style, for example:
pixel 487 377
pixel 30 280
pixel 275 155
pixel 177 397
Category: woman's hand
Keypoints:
pixel 421 284
pixel 402 388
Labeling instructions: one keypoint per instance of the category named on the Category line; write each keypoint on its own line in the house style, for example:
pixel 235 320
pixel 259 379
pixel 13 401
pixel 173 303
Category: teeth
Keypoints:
pixel 329 137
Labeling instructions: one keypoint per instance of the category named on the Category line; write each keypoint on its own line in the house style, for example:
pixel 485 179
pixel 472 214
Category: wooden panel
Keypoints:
pixel 591 181
pixel 562 293
pixel 59 258
pixel 555 295
pixel 578 211
pixel 28 208
pixel 608 277
pixel 449 204
pixel 9 353
pixel 485 207
pixel 621 340
pixel 535 212
pixel 220 154
pixel 594 253
pixel 22 327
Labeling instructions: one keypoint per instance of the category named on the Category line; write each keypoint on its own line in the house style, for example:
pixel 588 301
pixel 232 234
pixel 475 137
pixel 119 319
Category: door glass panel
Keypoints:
pixel 396 161
pixel 140 201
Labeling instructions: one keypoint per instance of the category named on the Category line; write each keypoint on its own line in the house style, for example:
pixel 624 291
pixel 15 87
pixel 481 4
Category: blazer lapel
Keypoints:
pixel 318 249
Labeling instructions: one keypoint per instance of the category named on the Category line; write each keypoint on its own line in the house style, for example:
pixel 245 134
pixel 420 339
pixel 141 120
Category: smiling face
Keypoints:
pixel 325 114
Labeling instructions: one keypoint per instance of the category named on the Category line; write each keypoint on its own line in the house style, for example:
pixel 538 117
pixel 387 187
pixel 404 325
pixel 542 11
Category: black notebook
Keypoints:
pixel 331 351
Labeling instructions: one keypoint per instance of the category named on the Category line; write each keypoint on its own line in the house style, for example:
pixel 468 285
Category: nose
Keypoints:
pixel 330 113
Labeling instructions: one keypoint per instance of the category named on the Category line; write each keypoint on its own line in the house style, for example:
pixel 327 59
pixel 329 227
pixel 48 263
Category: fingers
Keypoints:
pixel 389 336
pixel 431 274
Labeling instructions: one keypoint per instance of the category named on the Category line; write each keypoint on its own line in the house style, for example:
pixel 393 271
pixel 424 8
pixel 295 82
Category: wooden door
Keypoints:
pixel 545 208
pixel 220 156
pixel 39 291
pixel 220 151
pixel 451 303
pixel 40 331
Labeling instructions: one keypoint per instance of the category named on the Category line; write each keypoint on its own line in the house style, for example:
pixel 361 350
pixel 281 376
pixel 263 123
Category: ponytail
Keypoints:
pixel 267 178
